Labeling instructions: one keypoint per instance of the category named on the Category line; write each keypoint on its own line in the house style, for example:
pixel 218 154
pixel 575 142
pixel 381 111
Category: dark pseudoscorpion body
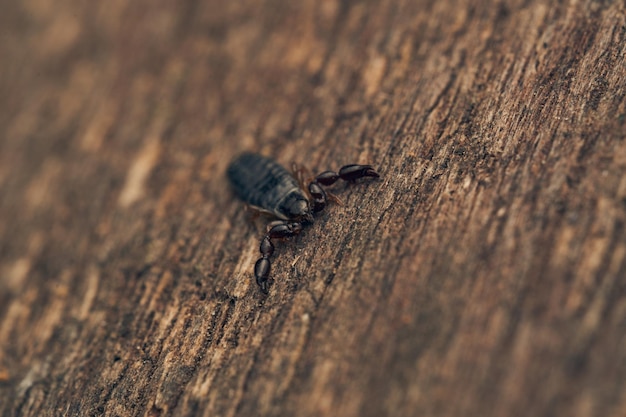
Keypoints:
pixel 270 188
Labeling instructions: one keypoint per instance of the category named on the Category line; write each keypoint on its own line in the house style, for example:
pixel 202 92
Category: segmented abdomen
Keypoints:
pixel 260 181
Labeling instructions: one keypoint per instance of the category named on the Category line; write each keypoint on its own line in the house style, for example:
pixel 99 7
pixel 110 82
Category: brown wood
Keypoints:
pixel 482 276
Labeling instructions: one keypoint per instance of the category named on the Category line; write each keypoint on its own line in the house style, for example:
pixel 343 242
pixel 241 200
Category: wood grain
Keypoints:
pixel 482 275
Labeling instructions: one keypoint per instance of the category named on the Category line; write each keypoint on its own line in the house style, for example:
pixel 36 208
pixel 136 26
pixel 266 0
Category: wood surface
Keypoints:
pixel 482 275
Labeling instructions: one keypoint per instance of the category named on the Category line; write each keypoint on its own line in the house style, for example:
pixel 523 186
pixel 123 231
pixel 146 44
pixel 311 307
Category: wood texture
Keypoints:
pixel 483 275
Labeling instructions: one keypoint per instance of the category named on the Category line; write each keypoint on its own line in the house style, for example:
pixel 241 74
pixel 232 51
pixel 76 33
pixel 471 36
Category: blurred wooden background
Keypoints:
pixel 482 276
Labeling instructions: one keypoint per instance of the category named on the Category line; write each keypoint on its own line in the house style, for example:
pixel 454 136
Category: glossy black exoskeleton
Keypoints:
pixel 270 188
